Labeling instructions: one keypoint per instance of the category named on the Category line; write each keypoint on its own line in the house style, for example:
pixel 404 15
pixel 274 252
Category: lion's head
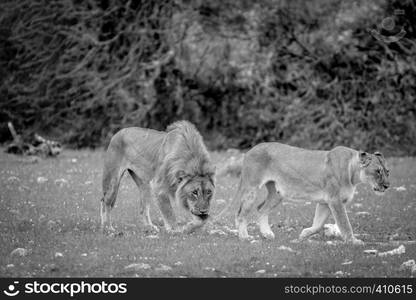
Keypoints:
pixel 373 171
pixel 190 170
pixel 195 192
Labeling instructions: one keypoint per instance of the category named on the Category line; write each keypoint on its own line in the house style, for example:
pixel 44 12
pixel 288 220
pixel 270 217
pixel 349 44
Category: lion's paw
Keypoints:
pixel 107 230
pixel 151 229
pixel 269 235
pixel 116 234
pixel 174 231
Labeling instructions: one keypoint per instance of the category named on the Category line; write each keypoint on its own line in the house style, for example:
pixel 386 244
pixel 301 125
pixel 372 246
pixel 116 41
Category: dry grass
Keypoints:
pixel 63 216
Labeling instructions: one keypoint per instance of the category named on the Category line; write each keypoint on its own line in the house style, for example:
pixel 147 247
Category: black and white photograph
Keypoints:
pixel 208 139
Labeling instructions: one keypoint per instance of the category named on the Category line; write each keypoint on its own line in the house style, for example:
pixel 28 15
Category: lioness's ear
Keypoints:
pixel 365 158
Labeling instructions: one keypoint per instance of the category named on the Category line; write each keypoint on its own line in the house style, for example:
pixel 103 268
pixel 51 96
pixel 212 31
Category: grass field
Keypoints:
pixel 51 209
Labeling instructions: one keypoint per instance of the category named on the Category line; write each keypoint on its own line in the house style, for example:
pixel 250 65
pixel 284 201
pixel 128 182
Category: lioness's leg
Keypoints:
pixel 321 215
pixel 111 182
pixel 144 202
pixel 341 219
pixel 105 216
pixel 247 201
pixel 272 200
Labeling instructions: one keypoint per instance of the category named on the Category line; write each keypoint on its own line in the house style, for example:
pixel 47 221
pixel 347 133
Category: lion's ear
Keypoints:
pixel 181 175
pixel 365 158
pixel 211 171
pixel 379 154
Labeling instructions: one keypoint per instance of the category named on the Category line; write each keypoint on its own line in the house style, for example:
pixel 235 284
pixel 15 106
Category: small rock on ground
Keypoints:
pixel 137 266
pixel 163 268
pixel 19 252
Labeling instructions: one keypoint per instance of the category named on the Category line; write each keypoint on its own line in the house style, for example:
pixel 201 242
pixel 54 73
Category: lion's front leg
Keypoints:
pixel 193 225
pixel 341 219
pixel 166 210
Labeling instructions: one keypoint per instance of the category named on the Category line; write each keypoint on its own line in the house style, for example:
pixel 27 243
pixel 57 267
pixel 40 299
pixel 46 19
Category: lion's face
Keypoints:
pixel 196 195
pixel 374 171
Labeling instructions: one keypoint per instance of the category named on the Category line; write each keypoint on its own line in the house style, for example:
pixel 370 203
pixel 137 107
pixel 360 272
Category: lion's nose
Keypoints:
pixel 203 216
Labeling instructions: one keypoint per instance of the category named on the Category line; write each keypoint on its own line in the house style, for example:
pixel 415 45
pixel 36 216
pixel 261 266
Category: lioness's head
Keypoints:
pixel 373 171
pixel 195 193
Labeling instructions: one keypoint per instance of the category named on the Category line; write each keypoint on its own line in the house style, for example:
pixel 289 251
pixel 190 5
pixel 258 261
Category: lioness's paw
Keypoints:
pixel 305 234
pixel 356 242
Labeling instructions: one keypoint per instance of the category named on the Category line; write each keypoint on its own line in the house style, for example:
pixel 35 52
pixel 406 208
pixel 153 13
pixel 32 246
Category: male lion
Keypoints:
pixel 328 178
pixel 168 166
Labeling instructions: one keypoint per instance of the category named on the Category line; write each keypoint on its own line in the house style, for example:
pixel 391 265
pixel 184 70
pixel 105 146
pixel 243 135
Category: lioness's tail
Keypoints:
pixel 230 203
pixel 232 167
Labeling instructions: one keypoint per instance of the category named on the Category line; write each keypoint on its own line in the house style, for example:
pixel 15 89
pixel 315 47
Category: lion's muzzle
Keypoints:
pixel 203 215
pixel 382 187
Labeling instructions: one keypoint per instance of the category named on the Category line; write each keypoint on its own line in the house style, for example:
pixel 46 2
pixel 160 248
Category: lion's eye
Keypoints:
pixel 208 192
pixel 195 192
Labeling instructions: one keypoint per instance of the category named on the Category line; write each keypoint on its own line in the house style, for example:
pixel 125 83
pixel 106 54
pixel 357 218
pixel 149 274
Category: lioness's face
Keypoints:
pixel 196 195
pixel 374 171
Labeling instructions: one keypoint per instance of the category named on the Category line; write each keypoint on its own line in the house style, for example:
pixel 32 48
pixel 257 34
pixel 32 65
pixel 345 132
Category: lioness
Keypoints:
pixel 328 178
pixel 168 166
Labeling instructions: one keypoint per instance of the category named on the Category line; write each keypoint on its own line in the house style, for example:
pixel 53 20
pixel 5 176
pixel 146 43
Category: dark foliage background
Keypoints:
pixel 307 73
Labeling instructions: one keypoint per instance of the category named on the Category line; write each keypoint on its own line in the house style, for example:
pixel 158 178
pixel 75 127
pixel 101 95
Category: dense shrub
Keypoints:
pixel 306 73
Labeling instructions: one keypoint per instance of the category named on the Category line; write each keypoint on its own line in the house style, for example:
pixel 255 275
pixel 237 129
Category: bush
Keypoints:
pixel 308 74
